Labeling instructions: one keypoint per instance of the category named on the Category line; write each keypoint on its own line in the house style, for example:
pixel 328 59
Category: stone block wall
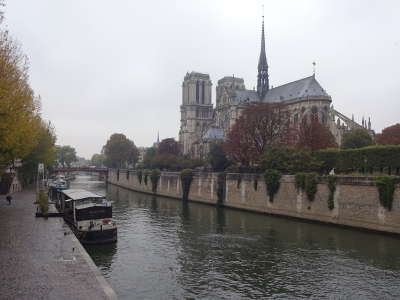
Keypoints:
pixel 356 200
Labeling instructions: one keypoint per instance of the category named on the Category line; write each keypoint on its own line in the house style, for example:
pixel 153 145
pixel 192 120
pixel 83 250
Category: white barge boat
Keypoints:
pixel 90 216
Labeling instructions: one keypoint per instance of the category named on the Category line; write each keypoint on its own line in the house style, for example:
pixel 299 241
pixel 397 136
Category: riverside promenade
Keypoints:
pixel 42 259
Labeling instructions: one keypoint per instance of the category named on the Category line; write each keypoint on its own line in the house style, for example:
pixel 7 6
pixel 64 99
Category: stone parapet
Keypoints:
pixel 356 199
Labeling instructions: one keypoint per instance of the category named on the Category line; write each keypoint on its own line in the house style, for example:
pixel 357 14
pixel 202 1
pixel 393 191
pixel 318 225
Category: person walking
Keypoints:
pixel 9 198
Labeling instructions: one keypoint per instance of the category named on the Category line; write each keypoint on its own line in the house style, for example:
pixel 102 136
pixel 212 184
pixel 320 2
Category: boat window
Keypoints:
pixel 95 212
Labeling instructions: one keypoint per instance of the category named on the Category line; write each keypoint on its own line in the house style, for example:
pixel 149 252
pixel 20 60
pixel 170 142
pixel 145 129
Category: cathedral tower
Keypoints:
pixel 196 109
pixel 262 77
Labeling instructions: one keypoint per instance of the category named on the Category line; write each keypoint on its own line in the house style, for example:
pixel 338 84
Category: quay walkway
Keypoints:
pixel 42 259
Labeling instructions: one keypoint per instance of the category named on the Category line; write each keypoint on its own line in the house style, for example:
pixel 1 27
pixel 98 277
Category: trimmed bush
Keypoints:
pixel 311 185
pixel 307 182
pixel 332 188
pixel 239 181
pixel 154 177
pixel 186 180
pixel 272 181
pixel 221 183
pixel 386 187
pixel 139 175
pixel 255 182
pixel 300 179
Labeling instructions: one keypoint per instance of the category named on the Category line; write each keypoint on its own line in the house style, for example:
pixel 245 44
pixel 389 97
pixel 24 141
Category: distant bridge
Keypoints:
pixel 102 171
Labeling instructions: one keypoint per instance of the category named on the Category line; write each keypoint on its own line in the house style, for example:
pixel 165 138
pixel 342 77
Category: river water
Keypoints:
pixel 167 249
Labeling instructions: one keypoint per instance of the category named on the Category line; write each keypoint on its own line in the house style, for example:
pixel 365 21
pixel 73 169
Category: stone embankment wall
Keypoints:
pixel 356 199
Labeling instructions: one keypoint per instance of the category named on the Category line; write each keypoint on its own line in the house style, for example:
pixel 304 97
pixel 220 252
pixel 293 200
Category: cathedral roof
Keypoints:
pixel 246 95
pixel 303 88
pixel 230 79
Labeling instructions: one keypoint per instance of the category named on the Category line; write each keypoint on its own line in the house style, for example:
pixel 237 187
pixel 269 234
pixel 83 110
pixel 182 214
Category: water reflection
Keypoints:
pixel 169 249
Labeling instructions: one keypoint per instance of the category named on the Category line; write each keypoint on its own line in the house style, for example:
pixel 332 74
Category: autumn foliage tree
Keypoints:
pixel 389 136
pixel 312 135
pixel 23 133
pixel 19 109
pixel 260 125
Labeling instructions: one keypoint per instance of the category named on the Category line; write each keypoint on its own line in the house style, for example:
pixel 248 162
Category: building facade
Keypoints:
pixel 202 124
pixel 196 109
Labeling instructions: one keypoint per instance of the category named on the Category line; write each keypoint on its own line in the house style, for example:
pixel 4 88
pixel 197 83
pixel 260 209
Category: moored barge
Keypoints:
pixel 90 216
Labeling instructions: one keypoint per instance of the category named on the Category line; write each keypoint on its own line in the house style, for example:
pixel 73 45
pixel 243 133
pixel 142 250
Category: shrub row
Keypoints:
pixel 367 159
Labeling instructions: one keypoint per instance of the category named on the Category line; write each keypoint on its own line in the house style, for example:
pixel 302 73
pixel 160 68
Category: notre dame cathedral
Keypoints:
pixel 202 124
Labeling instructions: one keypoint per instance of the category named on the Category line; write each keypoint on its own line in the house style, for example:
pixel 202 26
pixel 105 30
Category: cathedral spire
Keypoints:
pixel 262 77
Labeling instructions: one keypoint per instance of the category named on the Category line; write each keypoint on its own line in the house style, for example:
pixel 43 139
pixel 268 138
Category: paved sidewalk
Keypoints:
pixel 41 258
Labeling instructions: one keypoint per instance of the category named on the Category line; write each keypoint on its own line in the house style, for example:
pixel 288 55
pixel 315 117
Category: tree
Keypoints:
pixel 19 109
pixel 389 136
pixel 120 151
pixel 66 155
pixel 148 157
pixel 313 135
pixel 260 126
pixel 98 160
pixel 44 152
pixel 168 146
pixel 23 133
pixel 356 138
pixel 165 162
pixel 217 157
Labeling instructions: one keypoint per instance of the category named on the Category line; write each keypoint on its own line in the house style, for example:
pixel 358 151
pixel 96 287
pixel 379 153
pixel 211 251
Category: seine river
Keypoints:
pixel 170 250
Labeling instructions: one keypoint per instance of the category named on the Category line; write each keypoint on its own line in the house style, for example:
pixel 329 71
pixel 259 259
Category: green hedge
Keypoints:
pixel 289 160
pixel 367 159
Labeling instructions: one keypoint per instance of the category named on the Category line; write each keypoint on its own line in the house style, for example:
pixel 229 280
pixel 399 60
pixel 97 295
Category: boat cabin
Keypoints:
pixel 81 205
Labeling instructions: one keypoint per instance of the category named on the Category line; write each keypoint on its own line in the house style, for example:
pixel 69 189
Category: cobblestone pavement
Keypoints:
pixel 41 259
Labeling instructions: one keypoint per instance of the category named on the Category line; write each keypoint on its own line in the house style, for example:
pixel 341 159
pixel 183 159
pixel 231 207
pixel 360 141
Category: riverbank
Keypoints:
pixel 353 203
pixel 42 259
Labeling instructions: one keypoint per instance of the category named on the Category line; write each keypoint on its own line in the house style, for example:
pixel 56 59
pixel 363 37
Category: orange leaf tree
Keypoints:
pixel 313 135
pixel 389 136
pixel 260 125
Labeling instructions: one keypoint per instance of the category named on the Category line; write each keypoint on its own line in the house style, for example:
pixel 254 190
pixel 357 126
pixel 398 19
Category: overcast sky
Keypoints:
pixel 117 66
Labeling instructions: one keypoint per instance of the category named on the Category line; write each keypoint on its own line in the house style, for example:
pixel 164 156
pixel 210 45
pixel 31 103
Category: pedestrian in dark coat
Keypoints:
pixel 9 198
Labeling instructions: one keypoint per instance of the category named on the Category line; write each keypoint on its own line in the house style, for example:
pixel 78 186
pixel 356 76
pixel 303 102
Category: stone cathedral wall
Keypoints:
pixel 356 200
